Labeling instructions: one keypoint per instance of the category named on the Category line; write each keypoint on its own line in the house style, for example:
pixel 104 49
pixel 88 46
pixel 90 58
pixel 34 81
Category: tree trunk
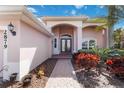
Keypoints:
pixel 110 37
pixel 111 21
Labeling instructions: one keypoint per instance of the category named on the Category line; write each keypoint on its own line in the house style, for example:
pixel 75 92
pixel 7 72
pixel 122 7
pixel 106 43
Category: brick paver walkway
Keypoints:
pixel 62 76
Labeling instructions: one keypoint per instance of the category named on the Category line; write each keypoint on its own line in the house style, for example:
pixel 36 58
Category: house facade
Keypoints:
pixel 74 33
pixel 37 40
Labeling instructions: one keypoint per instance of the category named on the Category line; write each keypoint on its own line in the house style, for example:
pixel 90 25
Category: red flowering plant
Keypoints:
pixel 87 60
pixel 115 65
pixel 109 62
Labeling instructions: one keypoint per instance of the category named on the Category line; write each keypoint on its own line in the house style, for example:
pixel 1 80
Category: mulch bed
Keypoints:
pixel 35 81
pixel 92 79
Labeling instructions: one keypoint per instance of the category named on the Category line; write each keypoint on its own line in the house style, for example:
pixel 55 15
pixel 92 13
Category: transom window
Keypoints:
pixel 88 44
pixel 66 36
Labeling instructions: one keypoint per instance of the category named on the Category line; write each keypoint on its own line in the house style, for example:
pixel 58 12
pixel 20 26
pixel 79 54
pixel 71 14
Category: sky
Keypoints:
pixel 68 10
pixel 92 11
pixel 119 24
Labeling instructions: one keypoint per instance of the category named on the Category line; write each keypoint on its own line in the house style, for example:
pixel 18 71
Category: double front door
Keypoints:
pixel 66 45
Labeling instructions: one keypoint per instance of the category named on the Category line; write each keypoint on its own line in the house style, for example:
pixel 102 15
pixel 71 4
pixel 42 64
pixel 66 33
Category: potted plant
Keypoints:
pixel 26 80
pixel 13 77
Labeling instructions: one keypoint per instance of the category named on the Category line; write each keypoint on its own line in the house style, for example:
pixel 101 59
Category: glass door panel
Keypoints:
pixel 68 45
pixel 63 45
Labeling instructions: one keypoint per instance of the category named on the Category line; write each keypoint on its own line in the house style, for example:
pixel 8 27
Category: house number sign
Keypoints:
pixel 5 39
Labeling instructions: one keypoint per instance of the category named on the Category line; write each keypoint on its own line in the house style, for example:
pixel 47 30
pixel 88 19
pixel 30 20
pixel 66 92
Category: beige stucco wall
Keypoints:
pixel 13 41
pixel 73 23
pixel 13 46
pixel 91 33
pixel 62 30
pixel 35 47
pixel 51 24
pixel 29 47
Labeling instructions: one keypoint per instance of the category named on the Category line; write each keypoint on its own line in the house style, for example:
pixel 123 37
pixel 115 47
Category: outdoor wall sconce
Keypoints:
pixel 11 29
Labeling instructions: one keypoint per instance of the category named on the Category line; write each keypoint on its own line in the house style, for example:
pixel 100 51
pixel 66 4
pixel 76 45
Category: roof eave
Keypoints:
pixel 21 12
pixel 69 18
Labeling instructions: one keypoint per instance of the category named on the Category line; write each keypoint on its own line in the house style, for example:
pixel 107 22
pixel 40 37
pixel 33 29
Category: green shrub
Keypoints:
pixel 121 52
pixel 90 51
pixel 104 53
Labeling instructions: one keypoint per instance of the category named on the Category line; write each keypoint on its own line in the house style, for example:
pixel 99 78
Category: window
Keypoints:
pixel 88 44
pixel 84 45
pixel 92 44
pixel 55 43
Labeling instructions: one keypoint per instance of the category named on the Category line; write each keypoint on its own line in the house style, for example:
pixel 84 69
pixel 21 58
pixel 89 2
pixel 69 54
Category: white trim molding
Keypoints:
pixel 79 38
pixel 5 51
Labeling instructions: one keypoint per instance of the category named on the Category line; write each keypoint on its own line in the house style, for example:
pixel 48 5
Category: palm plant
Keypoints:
pixel 102 53
pixel 112 19
pixel 115 13
pixel 117 37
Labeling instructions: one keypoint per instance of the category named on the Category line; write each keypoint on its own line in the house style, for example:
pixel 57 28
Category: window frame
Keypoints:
pixel 55 42
pixel 88 44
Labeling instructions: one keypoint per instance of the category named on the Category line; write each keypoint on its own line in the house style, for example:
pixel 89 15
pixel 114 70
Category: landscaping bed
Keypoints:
pixel 38 79
pixel 96 75
pixel 91 79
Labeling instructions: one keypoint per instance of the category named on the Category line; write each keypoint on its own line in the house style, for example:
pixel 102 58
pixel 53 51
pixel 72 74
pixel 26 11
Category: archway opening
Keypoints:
pixel 63 38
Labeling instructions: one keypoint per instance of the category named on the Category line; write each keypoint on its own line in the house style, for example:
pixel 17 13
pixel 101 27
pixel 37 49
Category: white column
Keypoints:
pixel 5 50
pixel 79 37
pixel 75 40
pixel 5 61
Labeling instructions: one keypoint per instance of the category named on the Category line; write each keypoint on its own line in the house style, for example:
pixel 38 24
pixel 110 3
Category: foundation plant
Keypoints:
pixel 111 59
pixel 115 63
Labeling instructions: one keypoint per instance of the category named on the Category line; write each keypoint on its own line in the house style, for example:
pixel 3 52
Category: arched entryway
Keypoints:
pixel 64 38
